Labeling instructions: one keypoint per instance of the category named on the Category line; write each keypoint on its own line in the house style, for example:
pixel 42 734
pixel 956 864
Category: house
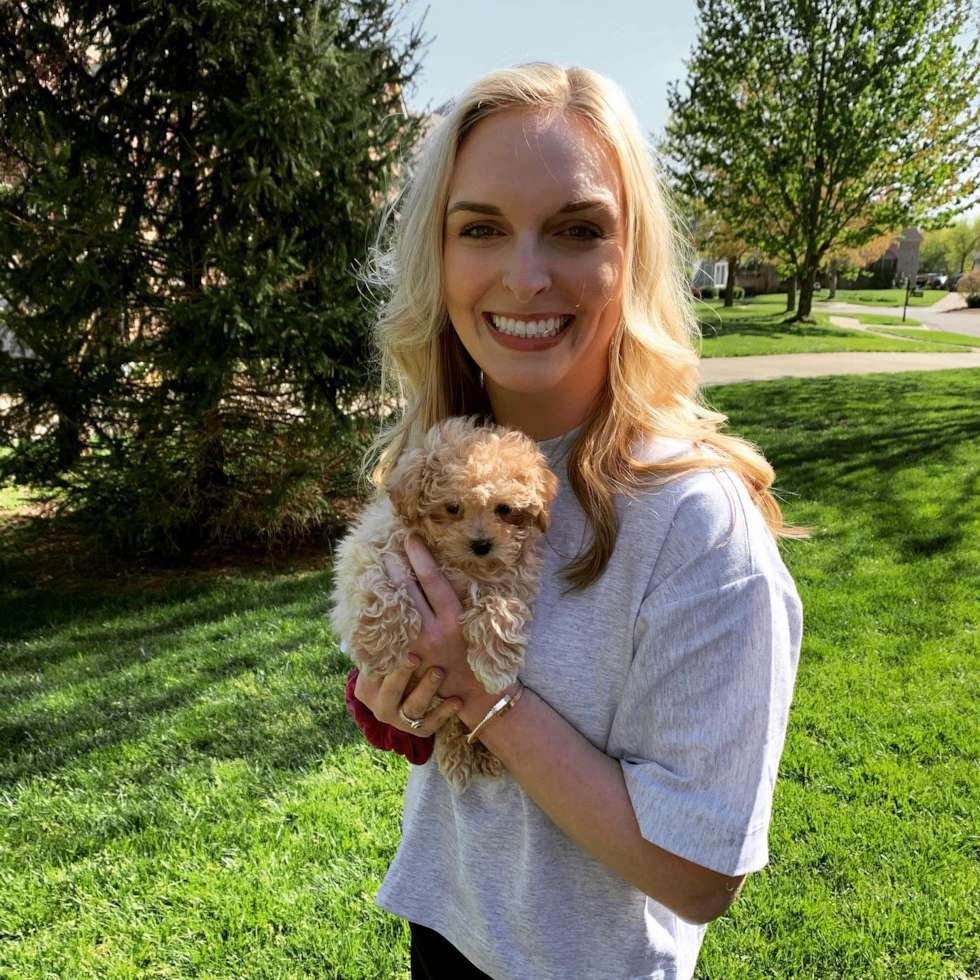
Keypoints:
pixel 900 260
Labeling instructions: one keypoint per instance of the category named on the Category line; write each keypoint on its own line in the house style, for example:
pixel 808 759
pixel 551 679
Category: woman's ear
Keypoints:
pixel 405 485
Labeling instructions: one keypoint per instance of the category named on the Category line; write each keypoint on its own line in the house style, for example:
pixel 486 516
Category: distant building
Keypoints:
pixel 901 260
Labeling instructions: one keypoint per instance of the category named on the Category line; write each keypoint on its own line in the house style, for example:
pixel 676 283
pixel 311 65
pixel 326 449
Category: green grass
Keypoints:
pixel 762 329
pixel 882 318
pixel 940 336
pixel 182 793
pixel 881 297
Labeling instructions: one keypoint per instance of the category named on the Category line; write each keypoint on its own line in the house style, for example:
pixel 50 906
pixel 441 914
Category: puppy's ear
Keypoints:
pixel 547 490
pixel 406 483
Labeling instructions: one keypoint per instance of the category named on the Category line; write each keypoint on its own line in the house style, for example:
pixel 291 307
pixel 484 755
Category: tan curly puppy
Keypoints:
pixel 479 496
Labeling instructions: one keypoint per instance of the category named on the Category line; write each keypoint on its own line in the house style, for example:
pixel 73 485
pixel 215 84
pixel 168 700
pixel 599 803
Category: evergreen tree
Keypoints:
pixel 191 184
pixel 814 125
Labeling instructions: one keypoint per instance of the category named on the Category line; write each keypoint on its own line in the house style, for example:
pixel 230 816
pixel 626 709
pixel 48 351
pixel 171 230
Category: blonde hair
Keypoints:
pixel 652 386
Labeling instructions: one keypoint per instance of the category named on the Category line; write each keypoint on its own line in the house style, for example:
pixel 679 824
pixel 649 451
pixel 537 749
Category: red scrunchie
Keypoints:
pixel 383 736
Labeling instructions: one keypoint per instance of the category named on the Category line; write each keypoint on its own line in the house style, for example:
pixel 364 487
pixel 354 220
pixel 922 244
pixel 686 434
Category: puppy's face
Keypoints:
pixel 476 494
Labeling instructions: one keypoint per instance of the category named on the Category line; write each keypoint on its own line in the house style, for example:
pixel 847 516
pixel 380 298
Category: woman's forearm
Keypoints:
pixel 583 791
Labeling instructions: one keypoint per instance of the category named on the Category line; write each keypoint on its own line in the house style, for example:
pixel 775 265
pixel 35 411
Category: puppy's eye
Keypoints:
pixel 502 509
pixel 452 508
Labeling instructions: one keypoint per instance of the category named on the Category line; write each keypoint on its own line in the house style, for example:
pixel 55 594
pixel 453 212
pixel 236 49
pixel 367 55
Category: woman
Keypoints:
pixel 536 278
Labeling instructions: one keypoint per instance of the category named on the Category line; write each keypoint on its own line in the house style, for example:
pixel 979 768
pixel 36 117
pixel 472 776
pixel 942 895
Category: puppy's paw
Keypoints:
pixel 496 631
pixel 386 625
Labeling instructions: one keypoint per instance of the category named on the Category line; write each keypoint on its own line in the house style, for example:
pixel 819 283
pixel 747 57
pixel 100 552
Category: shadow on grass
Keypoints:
pixel 749 323
pixel 848 440
pixel 247 669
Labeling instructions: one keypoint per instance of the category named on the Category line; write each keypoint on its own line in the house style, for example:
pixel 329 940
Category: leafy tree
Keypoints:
pixel 813 125
pixel 951 250
pixel 851 262
pixel 193 183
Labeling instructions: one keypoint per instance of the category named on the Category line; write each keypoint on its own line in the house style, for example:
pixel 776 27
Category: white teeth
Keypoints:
pixel 527 328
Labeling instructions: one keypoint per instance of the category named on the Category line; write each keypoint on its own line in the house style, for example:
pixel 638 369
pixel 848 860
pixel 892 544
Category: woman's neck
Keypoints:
pixel 541 415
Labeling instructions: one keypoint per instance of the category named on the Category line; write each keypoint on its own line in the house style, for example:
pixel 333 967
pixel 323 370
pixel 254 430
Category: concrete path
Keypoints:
pixel 727 370
pixel 949 313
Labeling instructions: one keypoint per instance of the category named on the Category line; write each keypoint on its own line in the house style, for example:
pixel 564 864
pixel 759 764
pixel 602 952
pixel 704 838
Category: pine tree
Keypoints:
pixel 191 185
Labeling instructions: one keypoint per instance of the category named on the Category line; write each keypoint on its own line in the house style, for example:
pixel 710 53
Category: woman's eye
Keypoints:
pixel 502 509
pixel 583 232
pixel 452 508
pixel 477 231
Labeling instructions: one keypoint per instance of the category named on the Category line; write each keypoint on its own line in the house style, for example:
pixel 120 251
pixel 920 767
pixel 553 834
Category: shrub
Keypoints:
pixel 739 292
pixel 969 285
pixel 709 292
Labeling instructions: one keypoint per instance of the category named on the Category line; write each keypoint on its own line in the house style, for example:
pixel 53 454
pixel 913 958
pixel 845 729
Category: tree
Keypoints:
pixel 852 261
pixel 820 124
pixel 952 249
pixel 194 184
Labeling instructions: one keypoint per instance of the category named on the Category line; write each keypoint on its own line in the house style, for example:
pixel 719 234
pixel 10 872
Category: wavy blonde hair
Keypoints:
pixel 652 386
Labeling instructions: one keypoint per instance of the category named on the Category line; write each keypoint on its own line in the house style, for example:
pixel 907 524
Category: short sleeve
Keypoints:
pixel 702 722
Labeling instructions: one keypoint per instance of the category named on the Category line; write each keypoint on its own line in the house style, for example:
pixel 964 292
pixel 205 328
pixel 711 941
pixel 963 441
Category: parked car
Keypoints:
pixel 930 280
pixel 953 281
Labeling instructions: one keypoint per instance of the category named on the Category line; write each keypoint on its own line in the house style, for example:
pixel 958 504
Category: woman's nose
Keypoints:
pixel 527 273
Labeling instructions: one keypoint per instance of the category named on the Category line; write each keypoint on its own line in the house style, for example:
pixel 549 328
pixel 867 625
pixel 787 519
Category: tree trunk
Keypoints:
pixel 806 289
pixel 791 295
pixel 732 280
pixel 833 280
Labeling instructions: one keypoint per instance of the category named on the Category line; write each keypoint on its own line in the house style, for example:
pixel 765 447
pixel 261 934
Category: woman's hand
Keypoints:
pixel 441 643
pixel 386 695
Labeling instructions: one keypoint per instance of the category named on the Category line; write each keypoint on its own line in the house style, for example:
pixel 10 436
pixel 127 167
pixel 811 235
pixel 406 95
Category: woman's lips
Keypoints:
pixel 525 343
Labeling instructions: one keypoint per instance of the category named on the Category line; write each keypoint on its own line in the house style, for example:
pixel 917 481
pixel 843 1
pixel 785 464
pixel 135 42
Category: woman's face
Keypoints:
pixel 533 260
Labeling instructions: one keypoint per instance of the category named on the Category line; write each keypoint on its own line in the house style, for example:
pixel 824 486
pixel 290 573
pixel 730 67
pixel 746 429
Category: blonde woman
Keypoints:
pixel 535 277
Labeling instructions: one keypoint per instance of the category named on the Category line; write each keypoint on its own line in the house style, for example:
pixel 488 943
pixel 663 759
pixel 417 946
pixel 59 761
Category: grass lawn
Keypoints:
pixel 760 328
pixel 881 297
pixel 882 318
pixel 939 336
pixel 182 793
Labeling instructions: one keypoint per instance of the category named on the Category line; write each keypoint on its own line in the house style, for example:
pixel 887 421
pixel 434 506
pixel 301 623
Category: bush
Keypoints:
pixel 969 285
pixel 709 292
pixel 739 292
pixel 750 291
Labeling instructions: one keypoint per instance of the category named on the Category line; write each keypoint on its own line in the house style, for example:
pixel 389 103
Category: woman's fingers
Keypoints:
pixel 438 591
pixel 417 703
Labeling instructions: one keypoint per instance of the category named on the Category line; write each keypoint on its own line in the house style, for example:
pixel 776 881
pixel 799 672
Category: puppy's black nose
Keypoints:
pixel 482 546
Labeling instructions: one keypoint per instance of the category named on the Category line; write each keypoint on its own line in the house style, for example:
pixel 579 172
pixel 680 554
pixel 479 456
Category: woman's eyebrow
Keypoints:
pixel 478 207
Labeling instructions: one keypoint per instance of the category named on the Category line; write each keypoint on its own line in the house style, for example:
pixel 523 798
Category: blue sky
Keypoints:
pixel 641 44
pixel 638 43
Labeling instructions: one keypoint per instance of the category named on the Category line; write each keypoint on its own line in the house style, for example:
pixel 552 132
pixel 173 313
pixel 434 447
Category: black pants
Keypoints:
pixel 434 958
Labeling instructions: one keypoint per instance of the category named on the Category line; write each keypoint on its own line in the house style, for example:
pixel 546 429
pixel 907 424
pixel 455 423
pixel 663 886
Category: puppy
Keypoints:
pixel 479 498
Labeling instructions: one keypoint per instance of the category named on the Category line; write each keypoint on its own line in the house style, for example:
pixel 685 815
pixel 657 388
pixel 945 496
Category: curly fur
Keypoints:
pixel 500 485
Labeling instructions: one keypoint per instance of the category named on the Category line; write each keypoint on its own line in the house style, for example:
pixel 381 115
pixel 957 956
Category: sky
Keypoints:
pixel 638 43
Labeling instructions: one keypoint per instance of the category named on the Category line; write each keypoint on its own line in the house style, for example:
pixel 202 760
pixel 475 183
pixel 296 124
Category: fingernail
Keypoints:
pixel 456 707
pixel 412 661
pixel 437 673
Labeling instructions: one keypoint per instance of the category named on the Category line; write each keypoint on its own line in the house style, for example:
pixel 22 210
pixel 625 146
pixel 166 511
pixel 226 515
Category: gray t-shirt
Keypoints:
pixel 679 662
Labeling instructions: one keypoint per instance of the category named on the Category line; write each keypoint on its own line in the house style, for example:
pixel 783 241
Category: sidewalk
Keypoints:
pixel 728 370
pixel 949 313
